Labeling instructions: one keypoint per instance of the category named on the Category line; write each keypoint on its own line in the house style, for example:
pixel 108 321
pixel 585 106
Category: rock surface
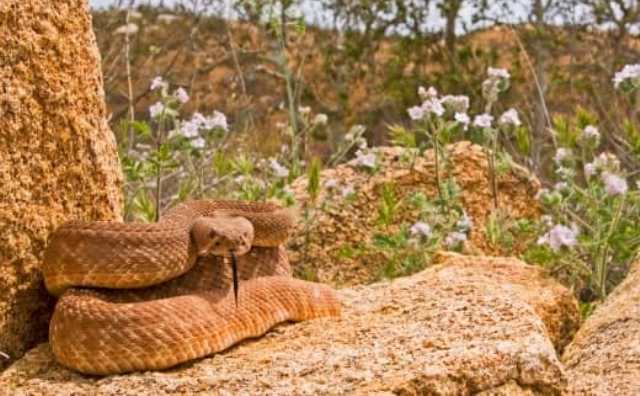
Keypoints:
pixel 604 357
pixel 58 158
pixel 347 223
pixel 470 324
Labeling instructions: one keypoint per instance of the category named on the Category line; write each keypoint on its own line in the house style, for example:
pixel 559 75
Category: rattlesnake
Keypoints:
pixel 170 300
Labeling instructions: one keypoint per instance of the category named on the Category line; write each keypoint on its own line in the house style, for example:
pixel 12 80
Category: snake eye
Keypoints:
pixel 212 234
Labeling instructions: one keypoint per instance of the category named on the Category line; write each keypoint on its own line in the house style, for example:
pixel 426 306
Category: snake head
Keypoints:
pixel 221 235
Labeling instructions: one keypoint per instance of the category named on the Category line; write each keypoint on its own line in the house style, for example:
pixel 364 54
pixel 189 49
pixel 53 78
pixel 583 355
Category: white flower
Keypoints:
pixel 425 94
pixel 607 161
pixel 561 186
pixel 416 113
pixel 454 238
pixel 320 119
pixel 198 143
pixel 158 82
pixel 614 184
pixel 128 29
pixel 483 120
pixel 304 109
pixel 420 229
pixel 190 128
pixel 181 95
pixel 457 103
pixel 629 72
pixel 330 184
pixel 277 169
pixel 463 119
pixel 156 109
pixel 464 223
pixel 590 169
pixel 559 236
pixel 365 160
pixel 494 72
pixel 510 117
pixel 591 132
pixel 216 120
pixel 347 191
pixel 562 154
pixel 433 106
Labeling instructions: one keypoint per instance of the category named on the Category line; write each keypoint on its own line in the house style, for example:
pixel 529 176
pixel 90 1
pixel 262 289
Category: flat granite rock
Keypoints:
pixel 467 325
pixel 604 357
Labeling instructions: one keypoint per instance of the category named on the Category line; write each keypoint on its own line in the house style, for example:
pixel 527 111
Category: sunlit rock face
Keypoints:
pixel 604 357
pixel 58 158
pixel 351 198
pixel 465 326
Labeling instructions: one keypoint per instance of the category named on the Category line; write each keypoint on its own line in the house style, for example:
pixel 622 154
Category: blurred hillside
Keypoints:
pixel 364 77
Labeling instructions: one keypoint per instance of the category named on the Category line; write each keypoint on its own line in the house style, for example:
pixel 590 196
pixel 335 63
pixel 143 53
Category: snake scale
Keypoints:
pixel 150 296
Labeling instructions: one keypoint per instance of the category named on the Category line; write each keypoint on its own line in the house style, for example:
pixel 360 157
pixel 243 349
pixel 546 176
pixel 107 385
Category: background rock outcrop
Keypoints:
pixel 468 325
pixel 604 357
pixel 346 223
pixel 58 158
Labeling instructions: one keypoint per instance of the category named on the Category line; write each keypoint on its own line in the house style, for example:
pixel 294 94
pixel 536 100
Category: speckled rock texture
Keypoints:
pixel 58 158
pixel 345 223
pixel 467 325
pixel 604 357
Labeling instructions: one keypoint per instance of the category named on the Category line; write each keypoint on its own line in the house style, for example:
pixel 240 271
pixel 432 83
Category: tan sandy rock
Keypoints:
pixel 347 223
pixel 465 326
pixel 604 357
pixel 58 158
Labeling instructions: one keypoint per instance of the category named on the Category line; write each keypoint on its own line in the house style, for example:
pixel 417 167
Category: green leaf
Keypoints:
pixel 314 178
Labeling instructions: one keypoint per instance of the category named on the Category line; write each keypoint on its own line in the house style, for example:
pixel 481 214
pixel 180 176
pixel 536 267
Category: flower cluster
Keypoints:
pixel 560 236
pixel 483 120
pixel 510 117
pixel 627 78
pixel 365 159
pixel 435 106
pixel 193 128
pixel 345 190
pixel 420 230
pixel 497 82
pixel 277 169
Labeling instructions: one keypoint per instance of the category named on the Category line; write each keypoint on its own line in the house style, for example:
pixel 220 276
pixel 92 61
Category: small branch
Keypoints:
pixel 236 63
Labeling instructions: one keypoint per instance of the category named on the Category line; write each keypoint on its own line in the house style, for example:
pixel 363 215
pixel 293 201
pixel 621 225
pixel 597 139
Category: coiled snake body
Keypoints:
pixel 164 294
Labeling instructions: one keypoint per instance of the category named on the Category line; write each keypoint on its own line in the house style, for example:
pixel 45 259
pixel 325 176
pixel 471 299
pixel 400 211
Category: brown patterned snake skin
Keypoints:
pixel 165 294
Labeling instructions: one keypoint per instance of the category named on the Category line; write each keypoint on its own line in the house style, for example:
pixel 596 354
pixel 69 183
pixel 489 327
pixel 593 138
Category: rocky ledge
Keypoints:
pixel 604 357
pixel 466 325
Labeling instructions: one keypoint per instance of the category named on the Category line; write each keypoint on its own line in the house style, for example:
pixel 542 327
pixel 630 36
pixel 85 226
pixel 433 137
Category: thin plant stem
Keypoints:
pixel 159 139
pixel 602 267
pixel 492 165
pixel 130 99
pixel 436 152
pixel 436 149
